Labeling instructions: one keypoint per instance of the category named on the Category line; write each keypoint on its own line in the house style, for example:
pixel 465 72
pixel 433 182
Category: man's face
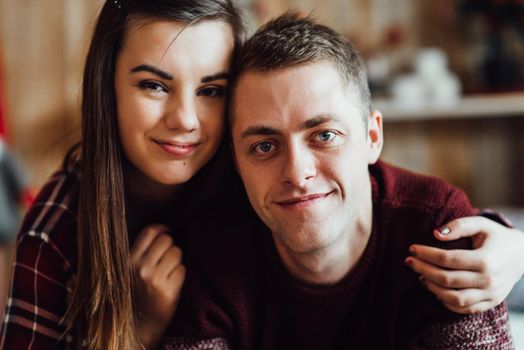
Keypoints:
pixel 303 151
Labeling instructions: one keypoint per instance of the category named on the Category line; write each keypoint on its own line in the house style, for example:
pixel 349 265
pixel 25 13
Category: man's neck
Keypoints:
pixel 329 265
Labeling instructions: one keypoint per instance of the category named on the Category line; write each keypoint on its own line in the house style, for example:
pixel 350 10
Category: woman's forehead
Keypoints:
pixel 163 34
pixel 203 47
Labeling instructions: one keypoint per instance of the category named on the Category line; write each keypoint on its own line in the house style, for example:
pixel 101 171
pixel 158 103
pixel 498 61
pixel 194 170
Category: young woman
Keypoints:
pixel 152 116
pixel 87 272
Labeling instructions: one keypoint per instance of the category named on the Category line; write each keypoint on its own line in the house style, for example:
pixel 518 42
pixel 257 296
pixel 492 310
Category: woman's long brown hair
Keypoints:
pixel 101 312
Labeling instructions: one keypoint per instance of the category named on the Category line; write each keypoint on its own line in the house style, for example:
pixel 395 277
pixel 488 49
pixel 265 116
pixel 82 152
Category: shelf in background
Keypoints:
pixel 472 106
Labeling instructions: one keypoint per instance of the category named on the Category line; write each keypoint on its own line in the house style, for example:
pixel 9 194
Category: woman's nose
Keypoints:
pixel 182 115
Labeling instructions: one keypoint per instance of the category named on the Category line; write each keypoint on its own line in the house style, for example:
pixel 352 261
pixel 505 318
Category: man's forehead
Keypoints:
pixel 284 85
pixel 306 91
pixel 319 79
pixel 296 70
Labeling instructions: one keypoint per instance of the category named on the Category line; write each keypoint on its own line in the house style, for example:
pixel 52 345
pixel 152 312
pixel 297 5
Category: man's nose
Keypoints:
pixel 300 165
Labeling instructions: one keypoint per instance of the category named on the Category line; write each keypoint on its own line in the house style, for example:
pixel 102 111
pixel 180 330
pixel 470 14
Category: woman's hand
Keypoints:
pixel 159 276
pixel 471 281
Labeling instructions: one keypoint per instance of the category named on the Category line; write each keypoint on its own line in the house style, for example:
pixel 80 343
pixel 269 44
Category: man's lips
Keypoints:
pixel 303 201
pixel 177 148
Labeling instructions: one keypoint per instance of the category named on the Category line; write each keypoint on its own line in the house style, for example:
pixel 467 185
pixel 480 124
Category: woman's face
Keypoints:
pixel 170 84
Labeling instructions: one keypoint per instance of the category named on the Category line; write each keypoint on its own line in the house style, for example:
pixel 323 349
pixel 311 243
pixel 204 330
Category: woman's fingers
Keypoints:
pixel 449 259
pixel 145 239
pixel 472 309
pixel 157 249
pixel 465 227
pixel 461 299
pixel 176 278
pixel 447 278
pixel 465 301
pixel 469 281
pixel 171 259
pixel 154 256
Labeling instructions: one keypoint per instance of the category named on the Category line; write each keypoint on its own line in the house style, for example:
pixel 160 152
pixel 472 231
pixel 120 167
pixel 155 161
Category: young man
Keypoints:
pixel 325 267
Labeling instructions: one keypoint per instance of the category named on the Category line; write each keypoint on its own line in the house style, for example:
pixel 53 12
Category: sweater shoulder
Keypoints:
pixel 413 205
pixel 403 188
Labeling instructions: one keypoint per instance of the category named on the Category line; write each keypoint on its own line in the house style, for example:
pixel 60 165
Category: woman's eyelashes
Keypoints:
pixel 212 91
pixel 155 87
pixel 152 86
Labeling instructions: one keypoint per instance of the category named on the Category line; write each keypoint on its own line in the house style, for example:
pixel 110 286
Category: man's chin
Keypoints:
pixel 305 241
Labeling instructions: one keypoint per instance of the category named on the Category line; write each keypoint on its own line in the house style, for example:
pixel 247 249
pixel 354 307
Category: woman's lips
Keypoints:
pixel 177 149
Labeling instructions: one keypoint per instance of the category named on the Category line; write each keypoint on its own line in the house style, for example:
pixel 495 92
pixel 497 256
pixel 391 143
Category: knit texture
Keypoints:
pixel 238 290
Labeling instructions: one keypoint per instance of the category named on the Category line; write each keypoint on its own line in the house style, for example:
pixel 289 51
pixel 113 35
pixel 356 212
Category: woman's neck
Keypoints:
pixel 146 199
pixel 142 188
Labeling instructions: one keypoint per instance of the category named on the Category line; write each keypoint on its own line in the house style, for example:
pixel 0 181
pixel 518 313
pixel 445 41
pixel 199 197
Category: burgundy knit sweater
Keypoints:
pixel 239 295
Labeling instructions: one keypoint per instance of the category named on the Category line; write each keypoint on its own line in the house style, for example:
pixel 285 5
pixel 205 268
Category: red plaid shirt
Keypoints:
pixel 44 268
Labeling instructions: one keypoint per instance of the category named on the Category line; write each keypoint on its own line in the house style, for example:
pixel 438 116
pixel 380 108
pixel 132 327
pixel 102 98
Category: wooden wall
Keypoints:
pixel 484 156
pixel 43 44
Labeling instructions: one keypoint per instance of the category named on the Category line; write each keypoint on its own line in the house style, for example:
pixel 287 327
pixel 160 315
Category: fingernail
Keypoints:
pixel 408 262
pixel 412 250
pixel 422 280
pixel 444 230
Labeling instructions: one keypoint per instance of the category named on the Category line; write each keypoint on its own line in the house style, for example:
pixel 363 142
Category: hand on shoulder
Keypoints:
pixel 471 281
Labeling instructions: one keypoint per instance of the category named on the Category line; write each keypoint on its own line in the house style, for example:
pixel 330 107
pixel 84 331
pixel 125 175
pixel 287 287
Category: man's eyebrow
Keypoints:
pixel 218 76
pixel 321 119
pixel 148 68
pixel 259 130
pixel 308 124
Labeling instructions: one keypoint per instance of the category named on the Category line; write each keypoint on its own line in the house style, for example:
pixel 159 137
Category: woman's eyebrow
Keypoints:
pixel 218 76
pixel 151 69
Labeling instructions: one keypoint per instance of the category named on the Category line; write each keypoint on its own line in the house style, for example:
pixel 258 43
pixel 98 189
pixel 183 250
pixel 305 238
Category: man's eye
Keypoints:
pixel 211 92
pixel 325 136
pixel 152 86
pixel 263 147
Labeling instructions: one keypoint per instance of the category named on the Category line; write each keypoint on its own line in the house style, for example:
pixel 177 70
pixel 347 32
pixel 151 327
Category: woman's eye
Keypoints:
pixel 263 147
pixel 152 86
pixel 211 92
pixel 325 136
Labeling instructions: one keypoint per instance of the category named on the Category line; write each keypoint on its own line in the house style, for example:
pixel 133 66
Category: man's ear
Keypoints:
pixel 375 136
